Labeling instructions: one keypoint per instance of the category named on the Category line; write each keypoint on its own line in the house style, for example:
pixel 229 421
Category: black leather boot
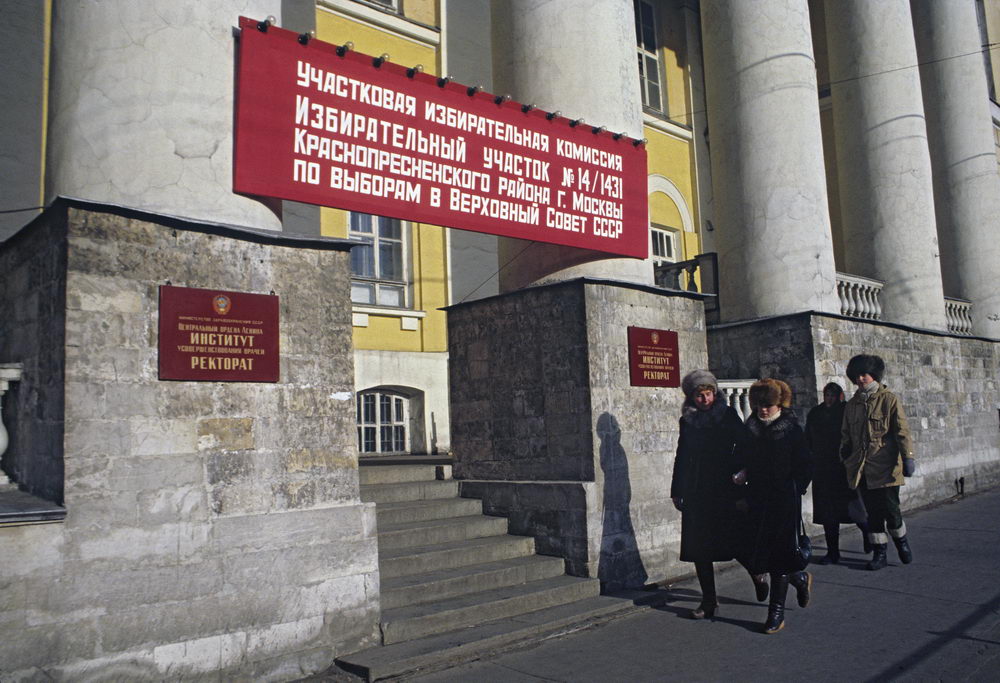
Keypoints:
pixel 803 582
pixel 903 548
pixel 864 537
pixel 760 586
pixel 776 610
pixel 832 535
pixel 879 559
pixel 709 602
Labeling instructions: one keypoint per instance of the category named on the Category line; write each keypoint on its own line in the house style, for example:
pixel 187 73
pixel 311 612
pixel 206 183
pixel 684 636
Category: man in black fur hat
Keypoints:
pixel 878 453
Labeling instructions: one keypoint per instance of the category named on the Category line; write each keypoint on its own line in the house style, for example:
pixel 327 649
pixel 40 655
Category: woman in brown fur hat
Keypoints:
pixel 778 471
pixel 710 450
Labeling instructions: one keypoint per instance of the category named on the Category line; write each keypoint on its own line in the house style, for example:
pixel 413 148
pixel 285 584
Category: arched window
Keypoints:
pixel 382 418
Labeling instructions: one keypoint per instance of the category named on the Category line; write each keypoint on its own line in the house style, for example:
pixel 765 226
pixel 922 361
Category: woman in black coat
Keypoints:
pixel 834 503
pixel 778 470
pixel 710 450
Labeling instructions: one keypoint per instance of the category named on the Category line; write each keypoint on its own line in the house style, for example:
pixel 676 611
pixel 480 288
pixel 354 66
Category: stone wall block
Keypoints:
pixel 225 433
pixel 154 436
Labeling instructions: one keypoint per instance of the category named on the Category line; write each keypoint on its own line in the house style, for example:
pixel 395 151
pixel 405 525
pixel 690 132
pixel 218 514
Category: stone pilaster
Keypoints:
pixel 578 57
pixel 884 166
pixel 148 122
pixel 963 156
pixel 772 223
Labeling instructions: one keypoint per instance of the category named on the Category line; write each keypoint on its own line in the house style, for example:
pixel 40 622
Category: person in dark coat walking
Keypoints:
pixel 778 470
pixel 834 503
pixel 710 451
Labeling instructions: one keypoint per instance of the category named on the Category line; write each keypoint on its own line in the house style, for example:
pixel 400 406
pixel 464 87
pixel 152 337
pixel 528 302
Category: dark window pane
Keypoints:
pixel 389 227
pixel 399 410
pixel 363 259
pixel 369 410
pixel 385 434
pixel 369 445
pixel 385 408
pixel 361 222
pixel 390 261
pixel 399 438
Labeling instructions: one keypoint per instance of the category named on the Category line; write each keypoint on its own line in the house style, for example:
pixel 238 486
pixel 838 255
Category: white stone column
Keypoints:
pixel 963 156
pixel 577 57
pixel 772 221
pixel 141 106
pixel 884 166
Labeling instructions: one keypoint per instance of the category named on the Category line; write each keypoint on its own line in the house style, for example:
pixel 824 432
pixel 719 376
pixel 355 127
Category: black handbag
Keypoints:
pixel 803 546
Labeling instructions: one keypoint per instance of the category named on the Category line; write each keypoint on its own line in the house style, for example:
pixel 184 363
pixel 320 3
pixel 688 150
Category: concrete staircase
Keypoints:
pixel 454 584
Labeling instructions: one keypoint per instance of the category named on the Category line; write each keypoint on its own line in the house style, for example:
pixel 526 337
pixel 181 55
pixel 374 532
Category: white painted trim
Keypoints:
pixel 659 183
pixel 369 15
pixel 670 128
pixel 390 312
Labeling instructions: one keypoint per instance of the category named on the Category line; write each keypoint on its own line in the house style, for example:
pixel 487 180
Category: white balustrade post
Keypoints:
pixel 9 372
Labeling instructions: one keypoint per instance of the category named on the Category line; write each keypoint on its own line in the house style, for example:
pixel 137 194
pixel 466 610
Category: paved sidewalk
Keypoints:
pixel 937 619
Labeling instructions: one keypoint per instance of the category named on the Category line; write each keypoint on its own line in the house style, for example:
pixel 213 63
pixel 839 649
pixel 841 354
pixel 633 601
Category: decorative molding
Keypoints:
pixel 659 183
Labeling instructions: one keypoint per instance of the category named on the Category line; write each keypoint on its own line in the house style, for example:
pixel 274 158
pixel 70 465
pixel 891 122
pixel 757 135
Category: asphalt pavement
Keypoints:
pixel 937 619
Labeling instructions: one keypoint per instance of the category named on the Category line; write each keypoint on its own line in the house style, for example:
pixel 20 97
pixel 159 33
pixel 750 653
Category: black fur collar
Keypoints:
pixel 707 418
pixel 777 429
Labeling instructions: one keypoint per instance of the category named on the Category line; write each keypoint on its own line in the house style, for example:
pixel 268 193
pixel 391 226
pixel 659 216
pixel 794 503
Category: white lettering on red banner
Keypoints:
pixel 336 130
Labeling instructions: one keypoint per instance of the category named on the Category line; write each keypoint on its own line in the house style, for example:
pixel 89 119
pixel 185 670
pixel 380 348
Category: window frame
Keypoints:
pixel 672 237
pixel 372 426
pixel 376 282
pixel 660 107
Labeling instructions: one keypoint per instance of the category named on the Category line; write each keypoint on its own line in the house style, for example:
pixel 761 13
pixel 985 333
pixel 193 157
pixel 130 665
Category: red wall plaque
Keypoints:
pixel 653 360
pixel 336 130
pixel 212 335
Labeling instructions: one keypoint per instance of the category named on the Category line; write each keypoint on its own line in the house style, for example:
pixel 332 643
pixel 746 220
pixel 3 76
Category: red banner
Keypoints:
pixel 349 131
pixel 652 356
pixel 212 335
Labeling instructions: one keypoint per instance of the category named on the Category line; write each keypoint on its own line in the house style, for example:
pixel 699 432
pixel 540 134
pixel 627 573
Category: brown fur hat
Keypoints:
pixel 698 378
pixel 770 392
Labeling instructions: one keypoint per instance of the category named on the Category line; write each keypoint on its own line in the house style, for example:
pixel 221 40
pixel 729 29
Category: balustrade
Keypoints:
pixel 859 296
pixel 736 393
pixel 9 372
pixel 958 313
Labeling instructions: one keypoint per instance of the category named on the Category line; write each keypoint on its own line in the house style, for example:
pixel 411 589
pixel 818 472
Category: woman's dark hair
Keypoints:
pixel 863 364
pixel 833 386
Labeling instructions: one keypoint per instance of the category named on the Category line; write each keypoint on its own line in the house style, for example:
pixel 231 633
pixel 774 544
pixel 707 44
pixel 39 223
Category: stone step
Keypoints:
pixel 408 491
pixel 449 583
pixel 447 649
pixel 396 474
pixel 420 621
pixel 434 531
pixel 409 561
pixel 418 510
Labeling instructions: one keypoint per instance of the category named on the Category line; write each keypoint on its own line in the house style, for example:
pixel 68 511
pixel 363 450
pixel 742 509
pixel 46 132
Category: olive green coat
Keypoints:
pixel 875 438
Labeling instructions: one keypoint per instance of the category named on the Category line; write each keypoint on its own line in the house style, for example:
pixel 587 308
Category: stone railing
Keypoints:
pixel 736 393
pixel 681 275
pixel 859 296
pixel 958 313
pixel 9 372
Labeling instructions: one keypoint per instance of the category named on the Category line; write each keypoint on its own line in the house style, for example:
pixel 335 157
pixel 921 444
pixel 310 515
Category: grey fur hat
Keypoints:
pixel 698 378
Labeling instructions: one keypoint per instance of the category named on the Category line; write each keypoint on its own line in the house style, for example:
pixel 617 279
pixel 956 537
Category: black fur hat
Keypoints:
pixel 863 364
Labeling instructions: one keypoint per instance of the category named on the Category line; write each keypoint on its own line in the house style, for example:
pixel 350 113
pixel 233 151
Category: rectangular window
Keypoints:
pixel 647 48
pixel 378 275
pixel 663 244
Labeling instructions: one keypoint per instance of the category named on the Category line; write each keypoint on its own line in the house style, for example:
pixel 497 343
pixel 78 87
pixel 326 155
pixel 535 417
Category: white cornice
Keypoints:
pixel 670 128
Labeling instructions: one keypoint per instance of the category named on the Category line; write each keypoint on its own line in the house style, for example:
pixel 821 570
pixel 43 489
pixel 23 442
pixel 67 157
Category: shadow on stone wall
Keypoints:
pixel 620 565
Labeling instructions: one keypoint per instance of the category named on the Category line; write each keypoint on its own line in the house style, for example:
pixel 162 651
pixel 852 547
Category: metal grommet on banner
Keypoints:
pixel 443 81
pixel 552 114
pixel 262 26
pixel 527 107
pixel 345 48
pixel 598 129
pixel 473 89
pixel 304 38
pixel 380 60
pixel 500 99
pixel 618 136
pixel 414 70
pixel 639 141
pixel 576 122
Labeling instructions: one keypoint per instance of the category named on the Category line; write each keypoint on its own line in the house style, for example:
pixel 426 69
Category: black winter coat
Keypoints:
pixel 710 450
pixel 778 473
pixel 834 502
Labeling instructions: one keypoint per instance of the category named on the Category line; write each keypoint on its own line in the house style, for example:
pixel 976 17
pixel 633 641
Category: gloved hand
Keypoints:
pixel 909 467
